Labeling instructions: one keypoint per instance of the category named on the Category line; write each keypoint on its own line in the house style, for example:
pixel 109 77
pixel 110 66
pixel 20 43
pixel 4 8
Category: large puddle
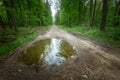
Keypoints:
pixel 47 52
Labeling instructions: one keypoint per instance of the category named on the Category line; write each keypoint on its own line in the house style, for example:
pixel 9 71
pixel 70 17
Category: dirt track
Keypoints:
pixel 92 62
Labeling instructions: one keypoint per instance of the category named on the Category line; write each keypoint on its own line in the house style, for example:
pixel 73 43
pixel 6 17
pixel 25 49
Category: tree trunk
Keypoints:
pixel 38 12
pixel 28 14
pixel 79 13
pixel 47 4
pixel 97 13
pixel 93 22
pixel 1 23
pixel 7 5
pixel 14 23
pixel 21 13
pixel 90 14
pixel 117 14
pixel 69 17
pixel 10 16
pixel 104 15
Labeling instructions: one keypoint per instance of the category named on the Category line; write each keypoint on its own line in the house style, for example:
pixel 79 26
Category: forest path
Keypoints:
pixel 92 62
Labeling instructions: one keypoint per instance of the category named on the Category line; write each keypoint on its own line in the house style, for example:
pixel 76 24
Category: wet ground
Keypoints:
pixel 47 52
pixel 59 55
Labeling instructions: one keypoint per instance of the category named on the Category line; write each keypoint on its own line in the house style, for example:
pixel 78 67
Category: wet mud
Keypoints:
pixel 59 55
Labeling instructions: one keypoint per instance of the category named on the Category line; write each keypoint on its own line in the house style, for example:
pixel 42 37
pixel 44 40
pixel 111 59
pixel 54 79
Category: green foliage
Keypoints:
pixel 25 13
pixel 24 35
pixel 19 18
pixel 75 13
pixel 71 12
pixel 111 35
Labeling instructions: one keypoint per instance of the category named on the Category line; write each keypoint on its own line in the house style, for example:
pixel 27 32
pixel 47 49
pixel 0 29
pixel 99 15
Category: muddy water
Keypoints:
pixel 47 52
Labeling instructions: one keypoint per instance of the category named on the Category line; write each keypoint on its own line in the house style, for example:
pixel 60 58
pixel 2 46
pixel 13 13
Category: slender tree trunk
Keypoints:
pixel 93 22
pixel 38 12
pixel 117 14
pixel 69 14
pixel 90 14
pixel 79 13
pixel 1 23
pixel 21 13
pixel 13 17
pixel 10 16
pixel 47 4
pixel 104 15
pixel 69 18
pixel 28 15
pixel 7 5
pixel 97 12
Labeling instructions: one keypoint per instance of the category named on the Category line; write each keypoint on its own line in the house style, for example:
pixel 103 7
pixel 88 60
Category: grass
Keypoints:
pixel 24 35
pixel 111 35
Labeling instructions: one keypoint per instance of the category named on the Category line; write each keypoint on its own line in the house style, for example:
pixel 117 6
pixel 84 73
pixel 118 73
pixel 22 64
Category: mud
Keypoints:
pixel 88 60
pixel 47 52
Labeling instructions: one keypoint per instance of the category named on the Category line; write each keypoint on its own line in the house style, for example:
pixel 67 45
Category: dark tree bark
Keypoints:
pixel 79 13
pixel 104 15
pixel 93 22
pixel 21 13
pixel 28 13
pixel 117 14
pixel 38 12
pixel 2 23
pixel 97 13
pixel 14 23
pixel 90 14
pixel 7 5
pixel 10 16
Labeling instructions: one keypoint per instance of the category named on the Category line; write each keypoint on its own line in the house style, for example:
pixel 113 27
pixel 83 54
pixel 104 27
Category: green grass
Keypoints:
pixel 111 35
pixel 24 35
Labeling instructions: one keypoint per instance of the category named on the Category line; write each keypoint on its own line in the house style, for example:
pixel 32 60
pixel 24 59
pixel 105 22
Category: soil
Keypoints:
pixel 93 61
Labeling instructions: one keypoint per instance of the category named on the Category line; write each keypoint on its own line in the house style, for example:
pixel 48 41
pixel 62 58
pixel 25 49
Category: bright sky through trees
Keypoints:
pixel 53 8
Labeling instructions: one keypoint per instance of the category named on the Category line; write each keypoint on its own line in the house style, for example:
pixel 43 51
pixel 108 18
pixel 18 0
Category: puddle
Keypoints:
pixel 47 52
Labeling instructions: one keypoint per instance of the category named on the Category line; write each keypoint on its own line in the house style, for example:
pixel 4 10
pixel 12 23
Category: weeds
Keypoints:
pixel 22 36
pixel 111 35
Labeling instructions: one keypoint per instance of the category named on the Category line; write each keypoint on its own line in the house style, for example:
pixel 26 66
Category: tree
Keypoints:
pixel 71 12
pixel 57 18
pixel 1 23
pixel 104 15
pixel 97 17
pixel 90 14
pixel 116 13
pixel 9 8
pixel 93 17
pixel 20 13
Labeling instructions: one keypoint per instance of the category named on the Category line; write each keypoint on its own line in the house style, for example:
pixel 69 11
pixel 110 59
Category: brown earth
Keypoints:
pixel 94 61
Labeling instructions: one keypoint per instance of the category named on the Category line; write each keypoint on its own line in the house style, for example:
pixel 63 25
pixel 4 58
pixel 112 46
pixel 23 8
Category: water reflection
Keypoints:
pixel 47 52
pixel 51 55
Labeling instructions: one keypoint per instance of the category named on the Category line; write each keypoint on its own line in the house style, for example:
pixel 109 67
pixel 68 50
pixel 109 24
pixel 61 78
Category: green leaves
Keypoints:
pixel 71 12
pixel 26 12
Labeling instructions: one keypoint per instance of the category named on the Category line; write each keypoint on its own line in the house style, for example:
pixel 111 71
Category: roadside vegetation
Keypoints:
pixel 19 21
pixel 11 41
pixel 97 19
pixel 110 36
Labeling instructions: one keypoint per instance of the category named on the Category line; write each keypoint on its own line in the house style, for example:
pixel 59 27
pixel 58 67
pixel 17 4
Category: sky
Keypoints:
pixel 53 8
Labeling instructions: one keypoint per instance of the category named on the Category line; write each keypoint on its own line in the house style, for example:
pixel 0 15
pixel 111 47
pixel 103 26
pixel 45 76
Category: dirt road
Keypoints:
pixel 92 61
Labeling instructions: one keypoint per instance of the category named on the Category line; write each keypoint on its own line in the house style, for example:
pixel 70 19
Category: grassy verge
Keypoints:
pixel 110 35
pixel 24 34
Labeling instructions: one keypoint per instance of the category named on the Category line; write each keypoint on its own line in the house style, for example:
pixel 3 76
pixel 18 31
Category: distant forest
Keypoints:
pixel 24 13
pixel 93 13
